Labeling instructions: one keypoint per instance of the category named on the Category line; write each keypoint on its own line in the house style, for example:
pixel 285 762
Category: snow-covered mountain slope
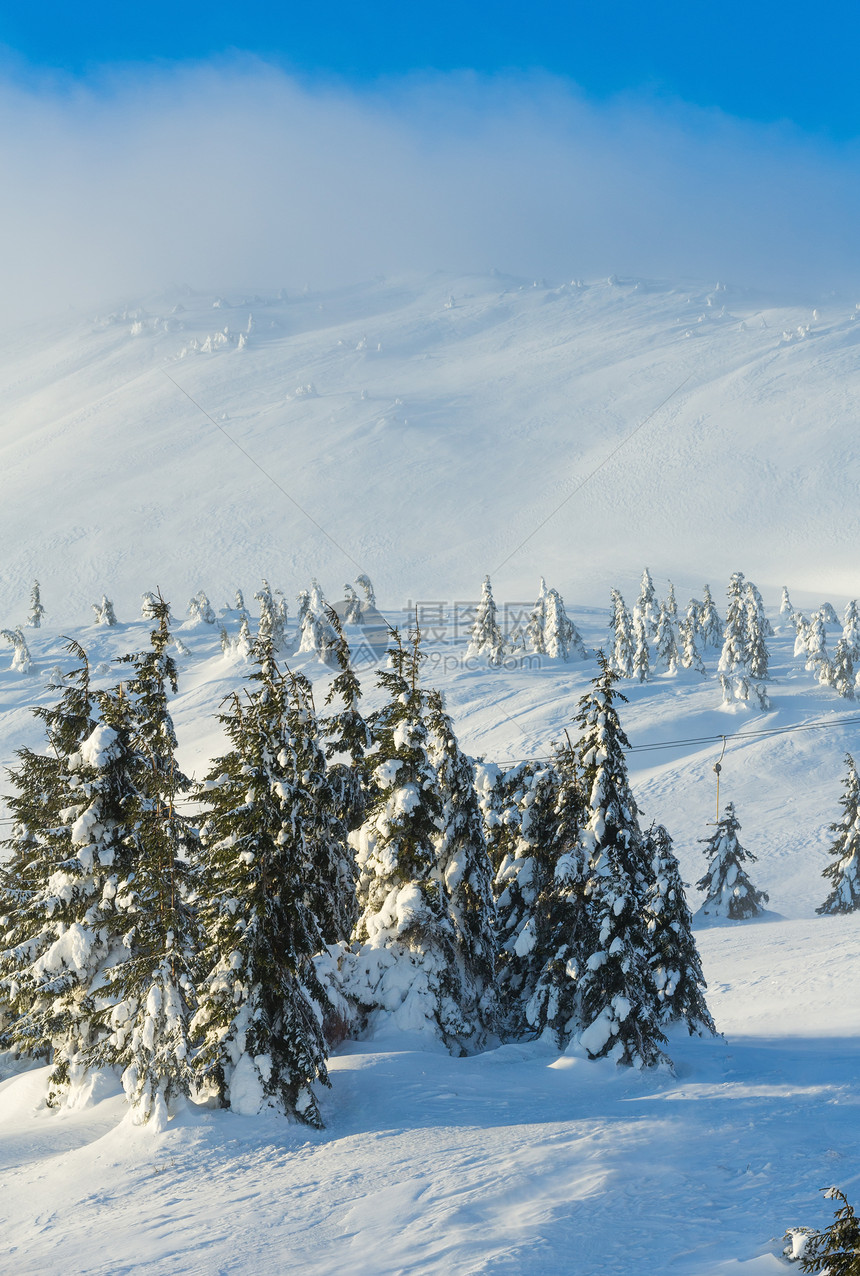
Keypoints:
pixel 427 428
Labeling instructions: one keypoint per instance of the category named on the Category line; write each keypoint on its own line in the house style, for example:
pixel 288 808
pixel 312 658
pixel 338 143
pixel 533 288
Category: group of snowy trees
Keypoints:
pixel 329 874
pixel 837 669
pixel 549 630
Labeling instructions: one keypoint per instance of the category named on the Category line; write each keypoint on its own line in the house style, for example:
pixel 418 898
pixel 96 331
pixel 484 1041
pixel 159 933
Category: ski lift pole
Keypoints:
pixel 717 769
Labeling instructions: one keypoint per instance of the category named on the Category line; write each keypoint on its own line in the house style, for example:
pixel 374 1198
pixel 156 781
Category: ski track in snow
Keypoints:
pixel 516 1161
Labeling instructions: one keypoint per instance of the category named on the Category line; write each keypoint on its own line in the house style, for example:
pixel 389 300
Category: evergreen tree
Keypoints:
pixel 37 611
pixel 801 636
pixel 561 927
pixel 239 606
pixel 465 871
pixel 274 844
pixel 671 605
pixel 150 989
pixel 104 612
pixel 691 656
pixel 21 659
pixel 729 891
pixel 618 1003
pixel 641 656
pixel 851 629
pixel 199 609
pixel 646 606
pixel 521 848
pixel 710 625
pixel 666 646
pixel 785 606
pixel 676 968
pixel 842 670
pixel 535 629
pixel 816 644
pixel 148 604
pixel 560 636
pixel 348 738
pixel 352 611
pixel 623 640
pixel 828 615
pixel 316 632
pixel 367 590
pixel 272 626
pixel 407 963
pixel 487 638
pixel 836 1250
pixel 844 871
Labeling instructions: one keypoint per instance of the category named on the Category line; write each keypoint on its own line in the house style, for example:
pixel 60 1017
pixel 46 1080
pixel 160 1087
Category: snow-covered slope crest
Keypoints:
pixel 422 430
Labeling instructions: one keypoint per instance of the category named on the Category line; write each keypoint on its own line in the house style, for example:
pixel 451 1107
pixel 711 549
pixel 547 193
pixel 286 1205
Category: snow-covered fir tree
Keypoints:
pixel 316 632
pixel 148 605
pixel 200 609
pixel 486 638
pixel 364 584
pixel 801 633
pixel 671 604
pixel 272 626
pixel 21 659
pixel 104 612
pixel 828 615
pixel 348 738
pixel 676 967
pixel 688 631
pixel 465 871
pixel 816 644
pixel 710 624
pixel 842 672
pixel 46 961
pixel 623 642
pixel 272 841
pixel 851 628
pixel 560 635
pixel 786 607
pixel 352 609
pixel 239 606
pixel 744 659
pixel 618 1004
pixel 758 628
pixel 728 889
pixel 406 964
pixel 641 653
pixel 37 611
pixel 151 988
pixel 560 929
pixel 537 622
pixel 646 605
pixel 665 643
pixel 843 872
pixel 521 841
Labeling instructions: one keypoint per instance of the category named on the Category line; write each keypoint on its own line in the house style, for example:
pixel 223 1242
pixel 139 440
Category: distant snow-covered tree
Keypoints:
pixel 641 654
pixel 842 670
pixel 691 656
pixel 728 889
pixel 486 638
pixel 828 615
pixel 535 629
pixel 623 647
pixel 676 967
pixel 148 605
pixel 352 611
pixel 561 636
pixel 670 604
pixel 646 605
pixel 37 611
pixel 364 584
pixel 665 643
pixel 710 625
pixel 785 607
pixel 816 643
pixel 21 659
pixel 200 609
pixel 104 612
pixel 317 633
pixel 851 629
pixel 844 870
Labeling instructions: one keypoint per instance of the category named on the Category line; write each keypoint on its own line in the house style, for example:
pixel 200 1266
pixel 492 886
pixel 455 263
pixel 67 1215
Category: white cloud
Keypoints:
pixel 234 175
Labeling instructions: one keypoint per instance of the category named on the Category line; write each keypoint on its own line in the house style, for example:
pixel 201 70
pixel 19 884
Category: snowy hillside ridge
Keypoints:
pixel 348 431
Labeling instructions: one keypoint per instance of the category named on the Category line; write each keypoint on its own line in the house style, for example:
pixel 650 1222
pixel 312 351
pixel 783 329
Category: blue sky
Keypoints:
pixel 255 146
pixel 757 60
